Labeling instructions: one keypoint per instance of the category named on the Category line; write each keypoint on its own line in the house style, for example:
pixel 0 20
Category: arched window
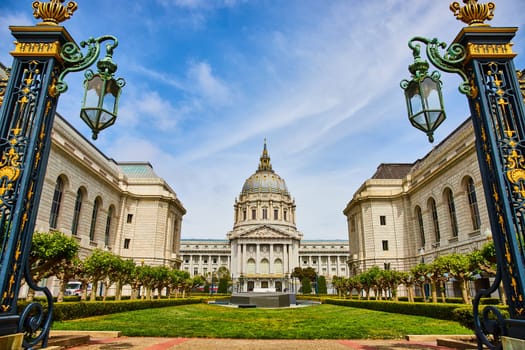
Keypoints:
pixel 278 266
pixel 435 220
pixel 419 217
pixel 94 215
pixel 265 266
pixel 76 212
pixel 108 226
pixel 473 204
pixel 251 266
pixel 451 212
pixel 55 204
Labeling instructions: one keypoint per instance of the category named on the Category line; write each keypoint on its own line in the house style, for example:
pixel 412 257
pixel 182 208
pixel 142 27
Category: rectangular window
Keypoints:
pixel 387 266
pixel 385 245
pixel 254 214
pixel 265 213
pixel 382 220
pixel 129 220
pixel 275 214
pixel 244 215
pixel 126 243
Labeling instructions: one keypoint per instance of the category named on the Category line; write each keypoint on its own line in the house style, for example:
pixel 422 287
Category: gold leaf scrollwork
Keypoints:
pixel 9 168
pixel 516 172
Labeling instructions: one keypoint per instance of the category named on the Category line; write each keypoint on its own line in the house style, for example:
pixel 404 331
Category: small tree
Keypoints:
pixel 223 285
pixel 51 254
pixel 306 286
pixel 321 285
pixel 97 266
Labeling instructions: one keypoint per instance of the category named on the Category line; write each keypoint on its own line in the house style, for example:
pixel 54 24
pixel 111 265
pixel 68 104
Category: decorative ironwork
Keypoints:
pixel 26 122
pixel 75 61
pixel 451 61
pixel 472 13
pixel 496 118
pixel 53 12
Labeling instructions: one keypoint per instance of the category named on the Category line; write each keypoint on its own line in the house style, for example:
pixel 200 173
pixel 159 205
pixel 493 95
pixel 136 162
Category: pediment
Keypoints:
pixel 265 232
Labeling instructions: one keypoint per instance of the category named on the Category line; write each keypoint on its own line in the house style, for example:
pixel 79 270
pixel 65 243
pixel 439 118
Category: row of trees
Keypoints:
pixel 461 268
pixel 55 254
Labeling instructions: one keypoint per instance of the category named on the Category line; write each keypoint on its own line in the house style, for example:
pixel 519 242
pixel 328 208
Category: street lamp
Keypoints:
pixel 101 94
pixel 483 57
pixel 43 55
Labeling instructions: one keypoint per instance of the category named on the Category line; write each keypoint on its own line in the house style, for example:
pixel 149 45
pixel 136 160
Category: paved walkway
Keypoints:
pixel 136 343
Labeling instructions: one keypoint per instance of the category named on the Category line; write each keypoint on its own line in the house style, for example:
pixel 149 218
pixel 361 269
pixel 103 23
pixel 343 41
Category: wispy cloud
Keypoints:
pixel 207 81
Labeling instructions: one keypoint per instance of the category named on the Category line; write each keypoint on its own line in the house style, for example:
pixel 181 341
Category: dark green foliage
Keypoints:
pixel 321 285
pixel 306 286
pixel 223 286
pixel 70 311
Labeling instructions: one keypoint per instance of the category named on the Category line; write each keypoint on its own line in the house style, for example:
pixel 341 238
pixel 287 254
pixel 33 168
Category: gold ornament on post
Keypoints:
pixel 472 13
pixel 53 12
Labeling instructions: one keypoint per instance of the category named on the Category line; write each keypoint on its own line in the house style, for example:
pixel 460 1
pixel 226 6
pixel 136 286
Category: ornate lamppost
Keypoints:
pixel 483 57
pixel 43 55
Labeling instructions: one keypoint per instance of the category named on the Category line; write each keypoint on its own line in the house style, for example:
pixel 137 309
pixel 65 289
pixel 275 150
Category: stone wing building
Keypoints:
pixel 411 213
pixel 123 207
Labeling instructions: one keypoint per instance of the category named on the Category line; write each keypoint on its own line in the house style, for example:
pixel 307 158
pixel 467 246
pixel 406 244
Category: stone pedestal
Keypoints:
pixel 512 343
pixel 12 341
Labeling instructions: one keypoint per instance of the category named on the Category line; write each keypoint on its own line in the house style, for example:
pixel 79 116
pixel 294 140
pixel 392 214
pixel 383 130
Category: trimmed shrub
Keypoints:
pixel 70 311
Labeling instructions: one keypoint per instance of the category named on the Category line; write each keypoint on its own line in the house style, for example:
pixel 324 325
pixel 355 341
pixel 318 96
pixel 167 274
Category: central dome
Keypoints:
pixel 265 179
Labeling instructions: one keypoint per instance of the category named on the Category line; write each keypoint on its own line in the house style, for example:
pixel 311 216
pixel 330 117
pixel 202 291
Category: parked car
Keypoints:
pixel 75 288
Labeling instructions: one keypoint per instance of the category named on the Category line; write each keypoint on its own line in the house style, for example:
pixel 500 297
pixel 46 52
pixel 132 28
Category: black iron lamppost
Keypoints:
pixel 483 57
pixel 43 55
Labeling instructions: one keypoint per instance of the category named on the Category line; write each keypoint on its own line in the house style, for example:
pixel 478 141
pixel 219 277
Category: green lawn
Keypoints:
pixel 313 322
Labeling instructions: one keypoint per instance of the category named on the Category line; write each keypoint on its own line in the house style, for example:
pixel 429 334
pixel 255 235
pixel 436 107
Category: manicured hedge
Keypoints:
pixel 440 311
pixel 457 312
pixel 71 310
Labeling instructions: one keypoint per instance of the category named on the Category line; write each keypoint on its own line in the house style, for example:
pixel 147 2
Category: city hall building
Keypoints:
pixel 404 214
pixel 264 246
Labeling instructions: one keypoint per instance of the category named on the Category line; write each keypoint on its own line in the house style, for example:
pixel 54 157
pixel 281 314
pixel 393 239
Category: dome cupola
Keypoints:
pixel 265 180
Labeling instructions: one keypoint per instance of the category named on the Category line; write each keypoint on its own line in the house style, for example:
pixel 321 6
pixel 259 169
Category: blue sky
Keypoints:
pixel 208 80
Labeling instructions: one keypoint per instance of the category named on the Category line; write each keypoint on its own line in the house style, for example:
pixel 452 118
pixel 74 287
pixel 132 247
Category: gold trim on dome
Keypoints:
pixel 472 13
pixel 53 12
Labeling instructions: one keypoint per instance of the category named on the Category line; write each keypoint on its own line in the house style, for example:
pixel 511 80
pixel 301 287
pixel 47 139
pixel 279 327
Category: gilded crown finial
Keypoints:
pixel 472 13
pixel 53 12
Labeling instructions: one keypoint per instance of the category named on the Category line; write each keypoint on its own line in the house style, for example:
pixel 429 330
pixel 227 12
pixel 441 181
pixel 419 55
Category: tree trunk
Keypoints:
pixel 464 293
pixel 442 292
pixel 502 295
pixel 30 295
pixel 410 292
pixel 93 296
pixel 422 287
pixel 433 286
pixel 118 291
pixel 106 287
pixel 61 290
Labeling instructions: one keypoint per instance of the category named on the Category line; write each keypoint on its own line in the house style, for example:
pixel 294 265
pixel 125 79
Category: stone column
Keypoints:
pixel 243 258
pixel 257 258
pixel 286 260
pixel 271 269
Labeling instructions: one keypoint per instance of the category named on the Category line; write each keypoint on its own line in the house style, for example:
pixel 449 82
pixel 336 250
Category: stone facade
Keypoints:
pixel 411 213
pixel 123 207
